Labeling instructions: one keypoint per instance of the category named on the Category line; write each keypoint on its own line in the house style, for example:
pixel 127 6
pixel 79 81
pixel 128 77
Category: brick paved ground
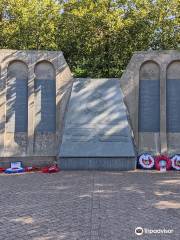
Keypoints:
pixel 89 205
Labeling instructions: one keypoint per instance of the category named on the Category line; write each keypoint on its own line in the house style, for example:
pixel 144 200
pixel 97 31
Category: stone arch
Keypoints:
pixel 149 70
pixel 173 96
pixel 17 97
pixel 149 107
pixel 45 70
pixel 45 97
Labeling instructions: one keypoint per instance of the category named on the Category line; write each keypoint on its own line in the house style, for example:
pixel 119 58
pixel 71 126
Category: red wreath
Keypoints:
pixel 31 169
pixel 165 158
pixel 52 169
pixel 2 169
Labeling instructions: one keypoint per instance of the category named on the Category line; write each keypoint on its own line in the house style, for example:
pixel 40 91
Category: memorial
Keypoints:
pixel 34 90
pixel 47 116
pixel 150 85
pixel 97 133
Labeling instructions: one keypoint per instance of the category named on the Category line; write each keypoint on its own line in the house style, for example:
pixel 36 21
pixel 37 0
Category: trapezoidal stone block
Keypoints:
pixel 97 134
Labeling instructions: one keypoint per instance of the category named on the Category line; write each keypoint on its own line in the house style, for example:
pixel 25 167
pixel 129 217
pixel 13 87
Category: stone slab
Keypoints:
pixel 173 103
pixel 149 106
pixel 17 106
pixel 45 105
pixel 96 122
pixel 21 106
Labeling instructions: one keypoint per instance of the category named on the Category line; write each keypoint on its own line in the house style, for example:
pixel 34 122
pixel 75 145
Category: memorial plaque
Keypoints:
pixel 149 106
pixel 17 97
pixel 10 109
pixel 45 105
pixel 173 105
pixel 79 134
pixel 21 106
pixel 112 138
pixel 96 123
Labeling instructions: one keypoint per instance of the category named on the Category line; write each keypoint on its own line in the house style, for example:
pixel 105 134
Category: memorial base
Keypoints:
pixel 36 161
pixel 97 163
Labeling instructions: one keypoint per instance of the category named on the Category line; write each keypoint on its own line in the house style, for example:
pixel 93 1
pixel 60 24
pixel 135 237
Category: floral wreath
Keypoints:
pixel 175 160
pixel 146 161
pixel 160 158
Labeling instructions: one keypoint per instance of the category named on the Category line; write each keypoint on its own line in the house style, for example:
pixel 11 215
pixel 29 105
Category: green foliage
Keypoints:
pixel 98 37
pixel 29 24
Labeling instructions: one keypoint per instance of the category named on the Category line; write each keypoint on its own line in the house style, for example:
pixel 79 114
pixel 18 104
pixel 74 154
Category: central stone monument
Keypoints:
pixel 96 133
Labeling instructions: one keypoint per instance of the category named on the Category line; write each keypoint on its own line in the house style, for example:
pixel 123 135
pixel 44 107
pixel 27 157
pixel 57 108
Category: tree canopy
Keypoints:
pixel 97 37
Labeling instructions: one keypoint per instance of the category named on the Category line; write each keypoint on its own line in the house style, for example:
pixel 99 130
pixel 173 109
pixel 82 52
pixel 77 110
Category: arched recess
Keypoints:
pixel 17 97
pixel 149 107
pixel 173 106
pixel 45 95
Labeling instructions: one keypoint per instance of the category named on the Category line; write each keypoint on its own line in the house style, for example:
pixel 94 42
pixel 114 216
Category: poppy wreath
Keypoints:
pixel 146 161
pixel 175 160
pixel 52 169
pixel 2 169
pixel 160 158
pixel 31 169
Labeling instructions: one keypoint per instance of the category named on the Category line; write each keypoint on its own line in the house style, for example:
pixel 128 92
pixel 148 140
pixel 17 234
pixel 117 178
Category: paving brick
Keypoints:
pixel 82 205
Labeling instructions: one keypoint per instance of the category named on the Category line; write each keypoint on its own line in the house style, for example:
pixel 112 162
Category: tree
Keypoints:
pixel 29 24
pixel 98 37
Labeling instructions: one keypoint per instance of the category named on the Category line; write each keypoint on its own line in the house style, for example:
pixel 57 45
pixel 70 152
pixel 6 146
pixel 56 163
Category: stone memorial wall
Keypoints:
pixel 151 86
pixel 103 124
pixel 34 91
